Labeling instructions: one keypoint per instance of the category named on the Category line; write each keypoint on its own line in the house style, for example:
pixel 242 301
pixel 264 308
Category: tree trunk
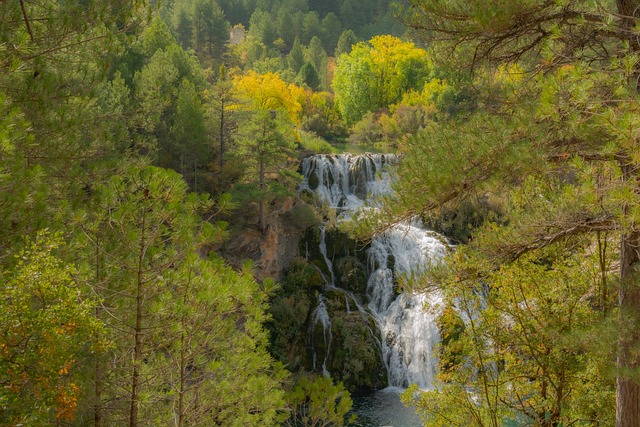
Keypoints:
pixel 261 207
pixel 137 352
pixel 183 373
pixel 97 386
pixel 628 363
pixel 627 389
pixel 221 131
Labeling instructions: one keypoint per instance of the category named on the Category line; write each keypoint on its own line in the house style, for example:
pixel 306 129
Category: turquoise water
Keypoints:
pixel 384 409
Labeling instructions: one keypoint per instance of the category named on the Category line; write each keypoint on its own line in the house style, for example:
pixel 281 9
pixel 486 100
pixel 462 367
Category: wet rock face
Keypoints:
pixel 351 274
pixel 345 340
pixel 354 357
pixel 328 332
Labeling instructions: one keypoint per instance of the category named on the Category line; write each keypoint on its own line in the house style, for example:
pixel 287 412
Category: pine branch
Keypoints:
pixel 563 231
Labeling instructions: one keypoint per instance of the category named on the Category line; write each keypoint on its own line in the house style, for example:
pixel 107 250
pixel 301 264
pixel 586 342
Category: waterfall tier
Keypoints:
pixel 346 181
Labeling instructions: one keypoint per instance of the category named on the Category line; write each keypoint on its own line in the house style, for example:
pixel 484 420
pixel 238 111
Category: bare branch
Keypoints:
pixel 26 19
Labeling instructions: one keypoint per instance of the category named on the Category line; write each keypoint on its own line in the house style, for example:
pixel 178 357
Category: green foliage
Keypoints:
pixel 156 36
pixel 302 217
pixel 168 93
pixel 452 351
pixel 301 275
pixel 86 103
pixel 23 192
pixel 345 43
pixel 304 19
pixel 316 402
pixel 459 223
pixel 45 326
pixel 525 348
pixel 367 130
pixel 355 357
pixel 60 53
pixel 264 147
pixel 332 33
pixel 551 86
pixel 189 134
pixel 183 25
pixel 376 74
pixel 413 113
pixel 262 28
pixel 295 58
pixel 464 160
pixel 211 28
pixel 316 54
pixel 320 117
pixel 312 142
pixel 289 310
pixel 309 76
pixel 311 28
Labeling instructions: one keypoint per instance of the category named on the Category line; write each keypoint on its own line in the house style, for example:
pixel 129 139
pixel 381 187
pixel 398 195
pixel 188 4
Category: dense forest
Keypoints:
pixel 150 160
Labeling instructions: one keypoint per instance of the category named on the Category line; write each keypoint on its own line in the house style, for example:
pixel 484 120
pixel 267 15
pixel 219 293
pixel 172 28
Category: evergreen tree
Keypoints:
pixel 189 133
pixel 309 76
pixel 286 28
pixel 183 25
pixel 295 58
pixel 332 30
pixel 345 42
pixel 60 53
pixel 315 53
pixel 265 149
pixel 262 28
pixel 311 27
pixel 225 126
pixel 211 28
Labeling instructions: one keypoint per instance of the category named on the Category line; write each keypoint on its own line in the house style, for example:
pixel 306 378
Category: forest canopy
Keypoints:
pixel 139 138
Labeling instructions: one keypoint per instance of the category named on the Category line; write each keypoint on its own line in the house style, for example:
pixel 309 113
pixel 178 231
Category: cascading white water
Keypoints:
pixel 323 251
pixel 347 182
pixel 321 316
pixel 409 333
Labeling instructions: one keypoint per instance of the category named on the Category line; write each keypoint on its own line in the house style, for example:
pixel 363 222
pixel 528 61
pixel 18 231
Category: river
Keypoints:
pixel 383 408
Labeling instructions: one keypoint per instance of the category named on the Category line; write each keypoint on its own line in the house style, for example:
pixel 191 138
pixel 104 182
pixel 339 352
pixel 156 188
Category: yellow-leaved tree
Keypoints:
pixel 376 74
pixel 268 92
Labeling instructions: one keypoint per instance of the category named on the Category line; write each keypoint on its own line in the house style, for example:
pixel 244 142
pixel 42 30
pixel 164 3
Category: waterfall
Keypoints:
pixel 323 251
pixel 321 316
pixel 409 333
pixel 346 181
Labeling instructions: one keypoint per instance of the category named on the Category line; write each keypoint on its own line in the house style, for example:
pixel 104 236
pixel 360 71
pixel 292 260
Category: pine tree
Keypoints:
pixel 265 148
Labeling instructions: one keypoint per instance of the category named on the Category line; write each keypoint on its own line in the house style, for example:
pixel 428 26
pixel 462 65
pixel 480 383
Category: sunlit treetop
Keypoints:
pixel 268 91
